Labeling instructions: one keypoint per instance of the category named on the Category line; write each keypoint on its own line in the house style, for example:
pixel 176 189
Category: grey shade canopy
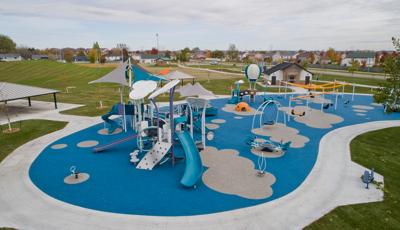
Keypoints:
pixel 190 90
pixel 11 91
pixel 115 76
pixel 178 75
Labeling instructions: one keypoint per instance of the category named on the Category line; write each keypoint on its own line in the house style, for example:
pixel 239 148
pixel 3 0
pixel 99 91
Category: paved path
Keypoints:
pixel 19 110
pixel 334 181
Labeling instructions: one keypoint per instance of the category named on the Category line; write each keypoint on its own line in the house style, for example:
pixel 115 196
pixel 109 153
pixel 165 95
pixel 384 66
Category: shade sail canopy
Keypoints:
pixel 139 74
pixel 178 75
pixel 141 89
pixel 11 91
pixel 115 76
pixel 164 89
pixel 118 75
pixel 197 89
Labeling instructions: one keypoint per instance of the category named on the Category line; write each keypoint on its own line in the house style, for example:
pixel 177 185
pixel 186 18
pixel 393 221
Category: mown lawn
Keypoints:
pixel 29 130
pixel 357 80
pixel 58 76
pixel 54 75
pixel 379 150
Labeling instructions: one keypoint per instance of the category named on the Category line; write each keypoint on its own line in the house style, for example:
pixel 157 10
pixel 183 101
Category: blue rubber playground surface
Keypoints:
pixel 115 185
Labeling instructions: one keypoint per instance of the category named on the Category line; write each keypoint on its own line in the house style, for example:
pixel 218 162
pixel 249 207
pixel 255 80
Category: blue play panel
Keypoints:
pixel 115 185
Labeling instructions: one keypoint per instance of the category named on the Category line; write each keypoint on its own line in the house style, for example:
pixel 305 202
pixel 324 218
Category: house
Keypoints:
pixel 287 55
pixel 110 57
pixel 309 57
pixel 287 71
pixel 80 59
pixel 162 61
pixel 149 58
pixel 365 58
pixel 10 57
pixel 135 56
pixel 40 57
pixel 199 56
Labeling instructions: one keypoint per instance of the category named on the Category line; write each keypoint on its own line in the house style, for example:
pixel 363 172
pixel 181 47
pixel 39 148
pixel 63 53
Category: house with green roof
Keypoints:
pixel 150 58
pixel 365 58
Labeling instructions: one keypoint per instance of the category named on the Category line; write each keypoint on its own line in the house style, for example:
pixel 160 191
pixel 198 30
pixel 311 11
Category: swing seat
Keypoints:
pixel 267 149
pixel 285 146
pixel 269 123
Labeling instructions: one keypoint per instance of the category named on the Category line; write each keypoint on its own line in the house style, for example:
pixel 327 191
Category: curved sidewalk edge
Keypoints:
pixel 334 181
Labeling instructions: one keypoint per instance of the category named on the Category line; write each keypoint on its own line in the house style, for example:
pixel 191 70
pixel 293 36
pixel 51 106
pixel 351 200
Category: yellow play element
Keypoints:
pixel 313 95
pixel 330 85
pixel 242 107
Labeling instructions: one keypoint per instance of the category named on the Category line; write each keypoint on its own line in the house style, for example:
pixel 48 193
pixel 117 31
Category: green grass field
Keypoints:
pixel 58 76
pixel 357 80
pixel 29 130
pixel 50 74
pixel 379 150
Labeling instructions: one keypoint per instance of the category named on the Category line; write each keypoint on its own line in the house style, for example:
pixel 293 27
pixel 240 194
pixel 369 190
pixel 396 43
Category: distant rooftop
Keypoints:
pixel 361 54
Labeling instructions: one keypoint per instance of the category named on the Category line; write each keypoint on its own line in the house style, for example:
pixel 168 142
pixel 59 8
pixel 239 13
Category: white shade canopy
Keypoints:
pixel 164 89
pixel 141 89
pixel 197 89
pixel 178 75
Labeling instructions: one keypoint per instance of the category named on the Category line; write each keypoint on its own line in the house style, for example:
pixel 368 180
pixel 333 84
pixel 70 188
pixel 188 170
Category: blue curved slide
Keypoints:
pixel 113 124
pixel 194 167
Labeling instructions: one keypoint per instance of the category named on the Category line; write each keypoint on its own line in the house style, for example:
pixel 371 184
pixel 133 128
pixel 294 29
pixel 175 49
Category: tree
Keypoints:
pixel 7 45
pixel 95 53
pixel 268 60
pixel 168 54
pixel 195 50
pixel 217 54
pixel 389 92
pixel 354 66
pixel 81 52
pixel 312 57
pixel 26 53
pixel 363 63
pixel 332 55
pixel 184 55
pixel 232 53
pixel 304 64
pixel 125 54
pixel 103 59
pixel 154 51
pixel 68 55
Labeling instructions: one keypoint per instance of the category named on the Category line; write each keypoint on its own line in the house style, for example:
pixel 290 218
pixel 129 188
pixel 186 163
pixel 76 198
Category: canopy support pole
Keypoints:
pixel 55 100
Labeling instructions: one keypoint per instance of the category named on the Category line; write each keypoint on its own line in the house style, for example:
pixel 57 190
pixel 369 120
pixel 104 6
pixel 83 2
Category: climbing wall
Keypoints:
pixel 154 155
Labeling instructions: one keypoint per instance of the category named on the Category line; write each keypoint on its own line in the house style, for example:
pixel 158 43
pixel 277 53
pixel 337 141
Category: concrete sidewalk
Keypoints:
pixel 19 110
pixel 334 181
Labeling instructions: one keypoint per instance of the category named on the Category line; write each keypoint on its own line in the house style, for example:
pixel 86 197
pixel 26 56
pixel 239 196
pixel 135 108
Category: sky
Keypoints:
pixel 207 24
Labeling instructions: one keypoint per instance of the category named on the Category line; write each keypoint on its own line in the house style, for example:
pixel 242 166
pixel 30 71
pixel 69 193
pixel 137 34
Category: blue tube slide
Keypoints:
pixel 194 166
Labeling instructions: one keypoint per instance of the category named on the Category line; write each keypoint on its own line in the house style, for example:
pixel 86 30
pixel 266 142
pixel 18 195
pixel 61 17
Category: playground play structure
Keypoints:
pixel 253 73
pixel 267 114
pixel 156 130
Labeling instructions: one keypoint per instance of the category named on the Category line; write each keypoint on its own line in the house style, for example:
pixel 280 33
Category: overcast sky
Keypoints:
pixel 208 24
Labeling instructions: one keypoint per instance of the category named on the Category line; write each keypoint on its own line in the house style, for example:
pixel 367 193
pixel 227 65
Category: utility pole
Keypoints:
pixel 122 46
pixel 158 51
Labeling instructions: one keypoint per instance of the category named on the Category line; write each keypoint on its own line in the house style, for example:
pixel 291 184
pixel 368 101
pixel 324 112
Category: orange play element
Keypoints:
pixel 164 71
pixel 242 107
